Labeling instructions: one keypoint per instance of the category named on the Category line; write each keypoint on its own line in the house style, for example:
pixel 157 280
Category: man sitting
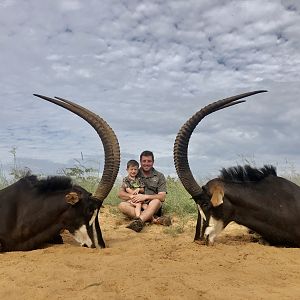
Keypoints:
pixel 154 196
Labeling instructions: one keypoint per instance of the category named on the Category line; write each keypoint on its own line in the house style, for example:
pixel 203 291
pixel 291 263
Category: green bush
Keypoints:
pixel 178 201
pixel 112 198
pixel 3 180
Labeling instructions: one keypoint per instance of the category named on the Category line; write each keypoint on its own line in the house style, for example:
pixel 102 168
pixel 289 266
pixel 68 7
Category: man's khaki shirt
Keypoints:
pixel 155 183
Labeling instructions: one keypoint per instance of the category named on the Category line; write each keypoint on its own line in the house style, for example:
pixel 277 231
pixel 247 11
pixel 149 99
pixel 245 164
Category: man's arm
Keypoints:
pixel 129 191
pixel 161 196
pixel 123 195
pixel 140 190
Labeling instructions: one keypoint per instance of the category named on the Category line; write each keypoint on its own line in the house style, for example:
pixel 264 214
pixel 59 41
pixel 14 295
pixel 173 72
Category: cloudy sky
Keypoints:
pixel 146 67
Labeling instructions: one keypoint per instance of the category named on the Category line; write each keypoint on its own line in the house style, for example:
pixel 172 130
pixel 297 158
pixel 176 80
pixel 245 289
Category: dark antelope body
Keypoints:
pixel 34 211
pixel 255 198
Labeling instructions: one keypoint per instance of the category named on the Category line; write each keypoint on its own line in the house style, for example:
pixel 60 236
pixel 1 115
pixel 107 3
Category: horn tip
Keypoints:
pixel 262 91
pixel 42 97
pixel 38 95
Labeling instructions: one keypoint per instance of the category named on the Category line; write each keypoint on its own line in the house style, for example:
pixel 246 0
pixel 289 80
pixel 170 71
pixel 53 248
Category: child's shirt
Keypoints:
pixel 132 183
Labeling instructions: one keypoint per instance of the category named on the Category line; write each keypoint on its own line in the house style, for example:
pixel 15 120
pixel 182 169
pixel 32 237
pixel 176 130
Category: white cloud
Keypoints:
pixel 70 5
pixel 146 67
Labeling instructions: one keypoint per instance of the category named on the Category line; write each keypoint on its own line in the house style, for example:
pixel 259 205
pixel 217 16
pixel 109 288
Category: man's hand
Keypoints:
pixel 138 198
pixel 136 191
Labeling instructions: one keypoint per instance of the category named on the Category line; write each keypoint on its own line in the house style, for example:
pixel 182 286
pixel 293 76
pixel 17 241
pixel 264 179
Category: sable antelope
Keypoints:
pixel 255 198
pixel 34 211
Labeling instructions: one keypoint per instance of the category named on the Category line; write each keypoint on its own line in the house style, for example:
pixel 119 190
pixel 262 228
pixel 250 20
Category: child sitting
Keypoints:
pixel 134 185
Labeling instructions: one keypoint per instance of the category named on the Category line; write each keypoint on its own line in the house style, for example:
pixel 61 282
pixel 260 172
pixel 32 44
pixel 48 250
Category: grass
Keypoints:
pixel 178 205
pixel 3 180
pixel 178 202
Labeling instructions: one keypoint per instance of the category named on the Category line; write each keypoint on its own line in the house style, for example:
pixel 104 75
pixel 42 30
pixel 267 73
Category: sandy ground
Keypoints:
pixel 154 264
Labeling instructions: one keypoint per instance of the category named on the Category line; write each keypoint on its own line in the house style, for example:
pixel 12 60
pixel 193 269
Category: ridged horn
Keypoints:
pixel 108 138
pixel 180 151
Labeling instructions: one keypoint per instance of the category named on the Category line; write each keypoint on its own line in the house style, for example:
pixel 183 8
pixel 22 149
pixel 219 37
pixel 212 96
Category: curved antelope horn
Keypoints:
pixel 108 138
pixel 182 140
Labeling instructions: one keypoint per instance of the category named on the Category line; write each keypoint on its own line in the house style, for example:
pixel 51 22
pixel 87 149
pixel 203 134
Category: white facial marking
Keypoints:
pixel 82 237
pixel 203 218
pixel 95 236
pixel 92 220
pixel 201 212
pixel 213 230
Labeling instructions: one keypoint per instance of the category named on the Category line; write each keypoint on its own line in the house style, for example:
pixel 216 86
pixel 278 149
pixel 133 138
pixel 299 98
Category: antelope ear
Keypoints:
pixel 72 198
pixel 217 196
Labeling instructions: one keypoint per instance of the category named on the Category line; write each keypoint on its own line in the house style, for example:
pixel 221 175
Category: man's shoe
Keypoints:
pixel 164 220
pixel 136 225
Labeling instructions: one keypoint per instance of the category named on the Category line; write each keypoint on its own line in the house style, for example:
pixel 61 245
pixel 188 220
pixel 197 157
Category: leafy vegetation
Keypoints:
pixel 178 202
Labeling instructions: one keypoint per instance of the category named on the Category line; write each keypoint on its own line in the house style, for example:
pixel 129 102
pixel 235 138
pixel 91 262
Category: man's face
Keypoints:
pixel 147 163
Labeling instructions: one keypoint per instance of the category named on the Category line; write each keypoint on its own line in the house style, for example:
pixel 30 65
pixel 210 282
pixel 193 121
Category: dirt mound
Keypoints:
pixel 157 263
